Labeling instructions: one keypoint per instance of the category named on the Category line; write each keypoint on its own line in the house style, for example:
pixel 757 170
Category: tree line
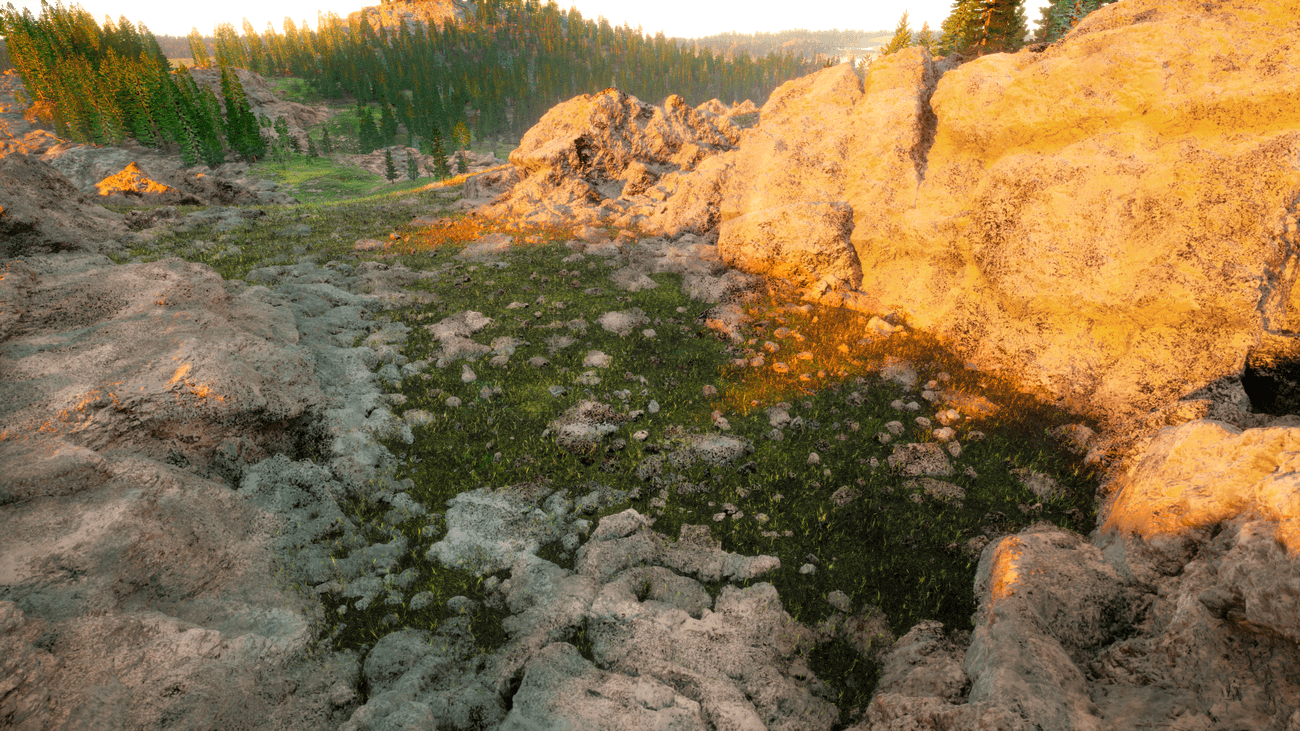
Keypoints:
pixel 978 27
pixel 101 85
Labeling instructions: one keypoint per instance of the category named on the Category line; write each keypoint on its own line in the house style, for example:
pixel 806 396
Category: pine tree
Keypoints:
pixel 461 134
pixel 1002 27
pixel 440 168
pixel 926 38
pixel 200 129
pixel 902 37
pixel 388 126
pixel 325 142
pixel 412 169
pixel 368 136
pixel 199 50
pixel 283 138
pixel 312 152
pixel 390 170
pixel 961 29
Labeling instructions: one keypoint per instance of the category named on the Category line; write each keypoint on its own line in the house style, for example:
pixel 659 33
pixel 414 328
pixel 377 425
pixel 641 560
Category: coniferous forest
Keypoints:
pixel 498 72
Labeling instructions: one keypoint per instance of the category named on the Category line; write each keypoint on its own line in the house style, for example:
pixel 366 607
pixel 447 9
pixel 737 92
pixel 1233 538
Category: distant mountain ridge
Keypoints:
pixel 797 41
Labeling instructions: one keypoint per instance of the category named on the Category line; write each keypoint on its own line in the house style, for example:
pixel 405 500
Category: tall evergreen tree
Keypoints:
pixel 926 39
pixel 1002 27
pixel 199 50
pixel 388 126
pixel 390 169
pixel 368 137
pixel 198 120
pixel 961 29
pixel 902 37
pixel 441 170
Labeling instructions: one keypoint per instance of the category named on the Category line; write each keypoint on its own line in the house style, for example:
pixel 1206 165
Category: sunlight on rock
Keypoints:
pixel 1205 472
pixel 1005 573
pixel 130 180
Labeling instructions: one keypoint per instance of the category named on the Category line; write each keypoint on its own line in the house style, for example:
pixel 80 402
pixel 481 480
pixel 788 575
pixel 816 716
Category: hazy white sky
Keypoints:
pixel 681 18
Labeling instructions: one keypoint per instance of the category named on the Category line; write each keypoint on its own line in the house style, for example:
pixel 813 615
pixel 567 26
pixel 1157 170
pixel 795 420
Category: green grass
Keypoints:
pixel 883 549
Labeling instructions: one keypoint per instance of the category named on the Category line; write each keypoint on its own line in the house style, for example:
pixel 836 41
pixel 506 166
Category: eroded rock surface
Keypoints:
pixel 600 147
pixel 42 212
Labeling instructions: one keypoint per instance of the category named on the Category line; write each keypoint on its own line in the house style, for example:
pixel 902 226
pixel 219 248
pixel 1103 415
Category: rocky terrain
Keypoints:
pixel 392 15
pixel 1123 246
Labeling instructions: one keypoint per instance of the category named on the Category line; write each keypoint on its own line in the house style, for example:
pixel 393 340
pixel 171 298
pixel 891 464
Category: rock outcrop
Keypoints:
pixel 599 147
pixel 1113 219
pixel 1118 242
pixel 413 13
pixel 42 212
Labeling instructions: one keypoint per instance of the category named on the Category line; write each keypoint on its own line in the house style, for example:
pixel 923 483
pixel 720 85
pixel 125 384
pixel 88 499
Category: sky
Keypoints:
pixel 676 18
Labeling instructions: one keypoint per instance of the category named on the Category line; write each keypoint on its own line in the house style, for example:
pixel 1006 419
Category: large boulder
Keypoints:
pixel 132 185
pixel 801 242
pixel 101 171
pixel 1098 218
pixel 1190 629
pixel 596 148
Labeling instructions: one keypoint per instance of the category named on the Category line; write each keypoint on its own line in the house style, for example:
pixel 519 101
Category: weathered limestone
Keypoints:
pixel 1109 240
pixel 801 242
pixel 598 147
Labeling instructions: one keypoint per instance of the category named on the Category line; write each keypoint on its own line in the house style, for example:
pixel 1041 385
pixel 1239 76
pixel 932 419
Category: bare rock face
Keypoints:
pixel 105 428
pixel 594 149
pixel 391 15
pixel 1106 240
pixel 824 137
pixel 801 242
pixel 42 212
